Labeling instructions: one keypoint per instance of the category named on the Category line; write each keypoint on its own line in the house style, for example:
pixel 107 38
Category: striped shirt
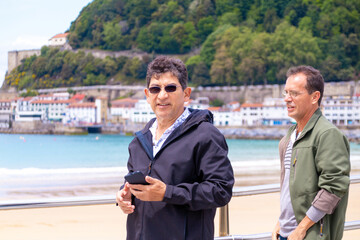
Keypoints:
pixel 158 144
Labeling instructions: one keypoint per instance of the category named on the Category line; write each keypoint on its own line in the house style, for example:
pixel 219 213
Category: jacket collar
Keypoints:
pixel 195 118
pixel 310 124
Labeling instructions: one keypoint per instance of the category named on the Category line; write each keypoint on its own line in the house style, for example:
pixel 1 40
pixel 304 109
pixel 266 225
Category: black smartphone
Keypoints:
pixel 136 177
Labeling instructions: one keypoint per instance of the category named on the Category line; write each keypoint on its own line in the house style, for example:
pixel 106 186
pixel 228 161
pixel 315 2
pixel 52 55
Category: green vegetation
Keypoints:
pixel 29 93
pixel 55 68
pixel 240 42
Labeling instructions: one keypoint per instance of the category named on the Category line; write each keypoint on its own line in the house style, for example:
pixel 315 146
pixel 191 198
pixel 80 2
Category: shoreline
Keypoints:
pixel 246 133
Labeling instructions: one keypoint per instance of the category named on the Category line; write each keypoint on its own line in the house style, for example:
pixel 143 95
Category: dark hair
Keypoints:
pixel 163 64
pixel 314 79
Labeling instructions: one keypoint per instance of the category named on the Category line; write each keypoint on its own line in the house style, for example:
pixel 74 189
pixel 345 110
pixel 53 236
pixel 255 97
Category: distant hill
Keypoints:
pixel 240 42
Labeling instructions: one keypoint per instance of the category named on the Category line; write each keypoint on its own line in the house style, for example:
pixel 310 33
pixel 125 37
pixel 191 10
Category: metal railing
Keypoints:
pixel 351 225
pixel 262 189
pixel 223 213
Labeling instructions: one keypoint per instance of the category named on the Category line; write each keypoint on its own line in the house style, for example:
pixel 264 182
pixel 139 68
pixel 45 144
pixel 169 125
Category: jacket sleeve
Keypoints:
pixel 333 163
pixel 214 171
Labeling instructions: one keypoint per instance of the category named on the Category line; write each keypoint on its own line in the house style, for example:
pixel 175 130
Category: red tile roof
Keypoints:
pixel 124 103
pixel 251 105
pixel 27 99
pixel 128 100
pixel 234 102
pixel 214 108
pixel 60 35
pixel 53 101
pixel 78 97
pixel 45 95
pixel 82 105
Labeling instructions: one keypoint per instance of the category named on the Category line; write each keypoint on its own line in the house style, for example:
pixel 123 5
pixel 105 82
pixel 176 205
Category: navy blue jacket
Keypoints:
pixel 193 164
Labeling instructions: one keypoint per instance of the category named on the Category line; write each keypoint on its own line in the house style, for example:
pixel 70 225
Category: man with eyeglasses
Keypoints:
pixel 184 159
pixel 315 165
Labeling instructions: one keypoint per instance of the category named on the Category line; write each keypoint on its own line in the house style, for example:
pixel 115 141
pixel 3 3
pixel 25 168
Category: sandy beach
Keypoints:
pixel 248 215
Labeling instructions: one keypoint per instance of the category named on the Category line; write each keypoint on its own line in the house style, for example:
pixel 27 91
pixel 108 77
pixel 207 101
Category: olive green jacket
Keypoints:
pixel 319 175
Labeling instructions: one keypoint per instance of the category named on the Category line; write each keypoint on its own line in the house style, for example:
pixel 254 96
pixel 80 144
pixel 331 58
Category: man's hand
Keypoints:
pixel 123 198
pixel 153 192
pixel 300 231
pixel 275 233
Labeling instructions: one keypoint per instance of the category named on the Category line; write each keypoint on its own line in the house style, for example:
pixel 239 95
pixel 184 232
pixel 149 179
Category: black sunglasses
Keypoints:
pixel 168 89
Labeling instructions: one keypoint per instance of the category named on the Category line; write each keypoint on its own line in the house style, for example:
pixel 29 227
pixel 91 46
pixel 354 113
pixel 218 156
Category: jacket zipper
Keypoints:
pixel 294 163
pixel 150 167
pixel 321 227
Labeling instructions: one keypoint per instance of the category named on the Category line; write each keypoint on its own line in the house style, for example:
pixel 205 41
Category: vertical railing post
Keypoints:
pixel 224 221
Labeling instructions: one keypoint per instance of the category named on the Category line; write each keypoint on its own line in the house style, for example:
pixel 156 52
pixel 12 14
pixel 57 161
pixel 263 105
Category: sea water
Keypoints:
pixel 45 163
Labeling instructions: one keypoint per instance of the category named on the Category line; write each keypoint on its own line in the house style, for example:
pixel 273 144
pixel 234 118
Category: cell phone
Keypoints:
pixel 136 177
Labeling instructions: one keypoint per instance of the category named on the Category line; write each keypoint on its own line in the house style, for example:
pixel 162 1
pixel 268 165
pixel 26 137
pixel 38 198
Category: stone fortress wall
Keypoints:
pixel 15 57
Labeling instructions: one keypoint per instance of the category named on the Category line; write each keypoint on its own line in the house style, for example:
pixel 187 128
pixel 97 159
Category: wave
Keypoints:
pixel 39 171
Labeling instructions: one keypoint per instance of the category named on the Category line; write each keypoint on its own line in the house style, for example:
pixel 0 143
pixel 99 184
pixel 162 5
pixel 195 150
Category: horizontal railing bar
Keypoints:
pixel 355 179
pixel 271 188
pixel 351 225
pixel 253 190
pixel 259 236
pixel 110 199
pixel 57 202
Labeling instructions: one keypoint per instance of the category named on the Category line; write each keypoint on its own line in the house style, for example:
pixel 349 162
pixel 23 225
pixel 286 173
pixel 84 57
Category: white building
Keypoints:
pixel 142 112
pixel 81 113
pixel 199 103
pixel 251 114
pixel 222 116
pixel 275 112
pixel 58 40
pixel 5 106
pixel 121 109
pixel 5 113
pixel 53 110
pixel 342 110
pixel 25 112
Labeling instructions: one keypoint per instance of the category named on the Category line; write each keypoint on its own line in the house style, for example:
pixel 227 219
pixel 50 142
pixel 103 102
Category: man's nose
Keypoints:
pixel 162 93
pixel 287 98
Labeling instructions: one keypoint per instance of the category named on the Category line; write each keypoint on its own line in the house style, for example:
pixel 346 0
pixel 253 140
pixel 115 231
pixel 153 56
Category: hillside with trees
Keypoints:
pixel 240 42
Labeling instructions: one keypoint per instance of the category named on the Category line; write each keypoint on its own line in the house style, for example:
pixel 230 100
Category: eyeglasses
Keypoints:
pixel 168 88
pixel 291 94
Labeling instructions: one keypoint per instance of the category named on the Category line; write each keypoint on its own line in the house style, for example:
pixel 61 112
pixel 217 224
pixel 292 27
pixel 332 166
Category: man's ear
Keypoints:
pixel 315 97
pixel 146 91
pixel 187 92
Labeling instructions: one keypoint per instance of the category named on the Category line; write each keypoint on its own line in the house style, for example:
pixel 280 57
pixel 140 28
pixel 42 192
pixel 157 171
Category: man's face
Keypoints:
pixel 300 104
pixel 167 106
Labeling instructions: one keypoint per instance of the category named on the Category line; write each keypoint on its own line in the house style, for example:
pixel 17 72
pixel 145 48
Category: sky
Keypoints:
pixel 29 24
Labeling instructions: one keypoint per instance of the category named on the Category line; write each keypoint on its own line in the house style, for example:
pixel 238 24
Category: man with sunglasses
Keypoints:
pixel 315 165
pixel 184 159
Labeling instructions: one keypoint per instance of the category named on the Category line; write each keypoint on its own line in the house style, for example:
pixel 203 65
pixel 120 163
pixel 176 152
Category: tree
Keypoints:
pixel 200 75
pixel 208 50
pixel 135 68
pixel 221 71
pixel 39 66
pixel 150 37
pixel 114 38
pixel 185 35
pixel 169 12
pixel 205 26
